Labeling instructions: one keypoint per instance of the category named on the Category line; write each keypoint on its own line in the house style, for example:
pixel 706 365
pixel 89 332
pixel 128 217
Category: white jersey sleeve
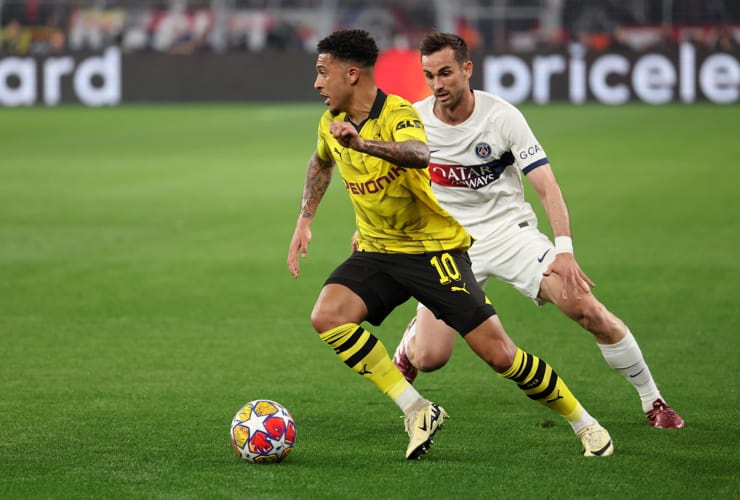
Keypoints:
pixel 476 166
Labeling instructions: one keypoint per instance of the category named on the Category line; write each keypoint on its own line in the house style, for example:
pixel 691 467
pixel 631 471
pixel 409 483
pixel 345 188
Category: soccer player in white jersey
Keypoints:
pixel 480 147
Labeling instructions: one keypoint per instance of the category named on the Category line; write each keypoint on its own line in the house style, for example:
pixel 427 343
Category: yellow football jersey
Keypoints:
pixel 395 208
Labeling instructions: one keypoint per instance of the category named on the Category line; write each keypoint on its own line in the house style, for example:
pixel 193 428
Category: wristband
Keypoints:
pixel 563 244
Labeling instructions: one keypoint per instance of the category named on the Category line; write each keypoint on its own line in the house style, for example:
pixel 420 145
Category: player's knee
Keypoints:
pixel 592 316
pixel 319 324
pixel 322 319
pixel 498 354
pixel 492 344
pixel 502 360
pixel 499 360
pixel 428 360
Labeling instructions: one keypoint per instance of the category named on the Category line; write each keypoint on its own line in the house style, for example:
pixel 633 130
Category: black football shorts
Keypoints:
pixel 442 281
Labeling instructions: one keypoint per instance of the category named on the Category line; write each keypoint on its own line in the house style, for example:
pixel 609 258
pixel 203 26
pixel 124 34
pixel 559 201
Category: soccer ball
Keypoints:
pixel 262 431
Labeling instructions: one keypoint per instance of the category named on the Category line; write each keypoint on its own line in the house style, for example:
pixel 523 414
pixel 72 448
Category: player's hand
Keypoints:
pixel 355 245
pixel 298 246
pixel 573 279
pixel 346 134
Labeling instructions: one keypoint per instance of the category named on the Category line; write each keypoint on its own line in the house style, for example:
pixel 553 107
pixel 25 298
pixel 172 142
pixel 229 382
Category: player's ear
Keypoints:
pixel 353 74
pixel 468 68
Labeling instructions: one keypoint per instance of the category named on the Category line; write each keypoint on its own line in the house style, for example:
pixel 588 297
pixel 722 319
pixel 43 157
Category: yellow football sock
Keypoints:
pixel 365 354
pixel 540 382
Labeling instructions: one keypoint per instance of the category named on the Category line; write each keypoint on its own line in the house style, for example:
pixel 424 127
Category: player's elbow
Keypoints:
pixel 420 155
pixel 426 156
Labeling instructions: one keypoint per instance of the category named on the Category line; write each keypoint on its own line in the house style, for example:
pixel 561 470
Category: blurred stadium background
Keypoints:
pixel 135 50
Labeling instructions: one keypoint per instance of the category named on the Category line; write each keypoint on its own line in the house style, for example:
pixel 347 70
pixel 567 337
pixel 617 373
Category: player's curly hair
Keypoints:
pixel 436 41
pixel 356 46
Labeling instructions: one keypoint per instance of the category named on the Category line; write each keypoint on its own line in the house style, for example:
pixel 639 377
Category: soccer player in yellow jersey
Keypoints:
pixel 407 246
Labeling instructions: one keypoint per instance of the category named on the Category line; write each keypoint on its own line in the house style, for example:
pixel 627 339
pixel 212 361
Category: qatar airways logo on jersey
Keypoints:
pixel 472 177
pixel 375 185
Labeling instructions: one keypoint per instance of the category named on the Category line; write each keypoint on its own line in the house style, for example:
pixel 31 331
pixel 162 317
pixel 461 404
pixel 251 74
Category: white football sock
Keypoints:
pixel 625 357
pixel 410 400
pixel 585 420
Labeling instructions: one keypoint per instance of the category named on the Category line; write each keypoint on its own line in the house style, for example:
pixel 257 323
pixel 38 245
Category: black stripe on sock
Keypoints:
pixel 538 373
pixel 538 377
pixel 350 341
pixel 550 388
pixel 364 351
pixel 524 369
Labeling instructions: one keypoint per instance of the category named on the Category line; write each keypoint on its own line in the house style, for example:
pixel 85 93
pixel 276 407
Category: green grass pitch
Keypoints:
pixel 144 297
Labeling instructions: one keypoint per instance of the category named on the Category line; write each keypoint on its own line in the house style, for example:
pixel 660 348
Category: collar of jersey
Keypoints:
pixel 374 111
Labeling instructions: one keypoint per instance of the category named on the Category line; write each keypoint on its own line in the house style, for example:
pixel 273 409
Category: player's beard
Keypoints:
pixel 455 98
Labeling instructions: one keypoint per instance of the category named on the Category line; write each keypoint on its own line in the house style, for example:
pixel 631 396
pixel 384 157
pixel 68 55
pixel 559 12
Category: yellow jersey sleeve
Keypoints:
pixel 322 147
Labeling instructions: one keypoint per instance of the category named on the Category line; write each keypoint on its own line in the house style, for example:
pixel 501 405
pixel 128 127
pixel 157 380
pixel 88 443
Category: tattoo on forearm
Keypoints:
pixel 318 178
pixel 411 154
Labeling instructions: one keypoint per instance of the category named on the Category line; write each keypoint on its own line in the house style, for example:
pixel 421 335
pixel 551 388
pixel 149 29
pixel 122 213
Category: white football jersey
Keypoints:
pixel 476 166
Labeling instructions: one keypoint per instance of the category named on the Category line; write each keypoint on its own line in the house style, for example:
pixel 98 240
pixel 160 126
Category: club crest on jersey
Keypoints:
pixel 483 150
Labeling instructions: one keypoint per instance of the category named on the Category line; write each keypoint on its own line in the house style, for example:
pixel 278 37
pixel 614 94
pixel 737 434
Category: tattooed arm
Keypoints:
pixel 411 153
pixel 318 177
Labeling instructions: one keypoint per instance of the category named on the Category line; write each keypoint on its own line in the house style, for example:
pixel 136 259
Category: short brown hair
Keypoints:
pixel 436 41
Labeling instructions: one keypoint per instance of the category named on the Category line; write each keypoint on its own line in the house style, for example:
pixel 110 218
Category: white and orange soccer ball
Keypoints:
pixel 263 431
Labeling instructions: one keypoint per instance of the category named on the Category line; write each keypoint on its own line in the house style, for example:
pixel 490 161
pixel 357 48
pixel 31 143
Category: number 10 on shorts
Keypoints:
pixel 446 268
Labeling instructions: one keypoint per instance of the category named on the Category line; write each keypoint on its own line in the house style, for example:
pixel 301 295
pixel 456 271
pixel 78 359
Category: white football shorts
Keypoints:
pixel 517 256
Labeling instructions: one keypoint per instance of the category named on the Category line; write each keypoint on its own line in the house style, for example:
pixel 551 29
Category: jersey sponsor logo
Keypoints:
pixel 409 123
pixel 483 150
pixel 470 176
pixel 375 185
